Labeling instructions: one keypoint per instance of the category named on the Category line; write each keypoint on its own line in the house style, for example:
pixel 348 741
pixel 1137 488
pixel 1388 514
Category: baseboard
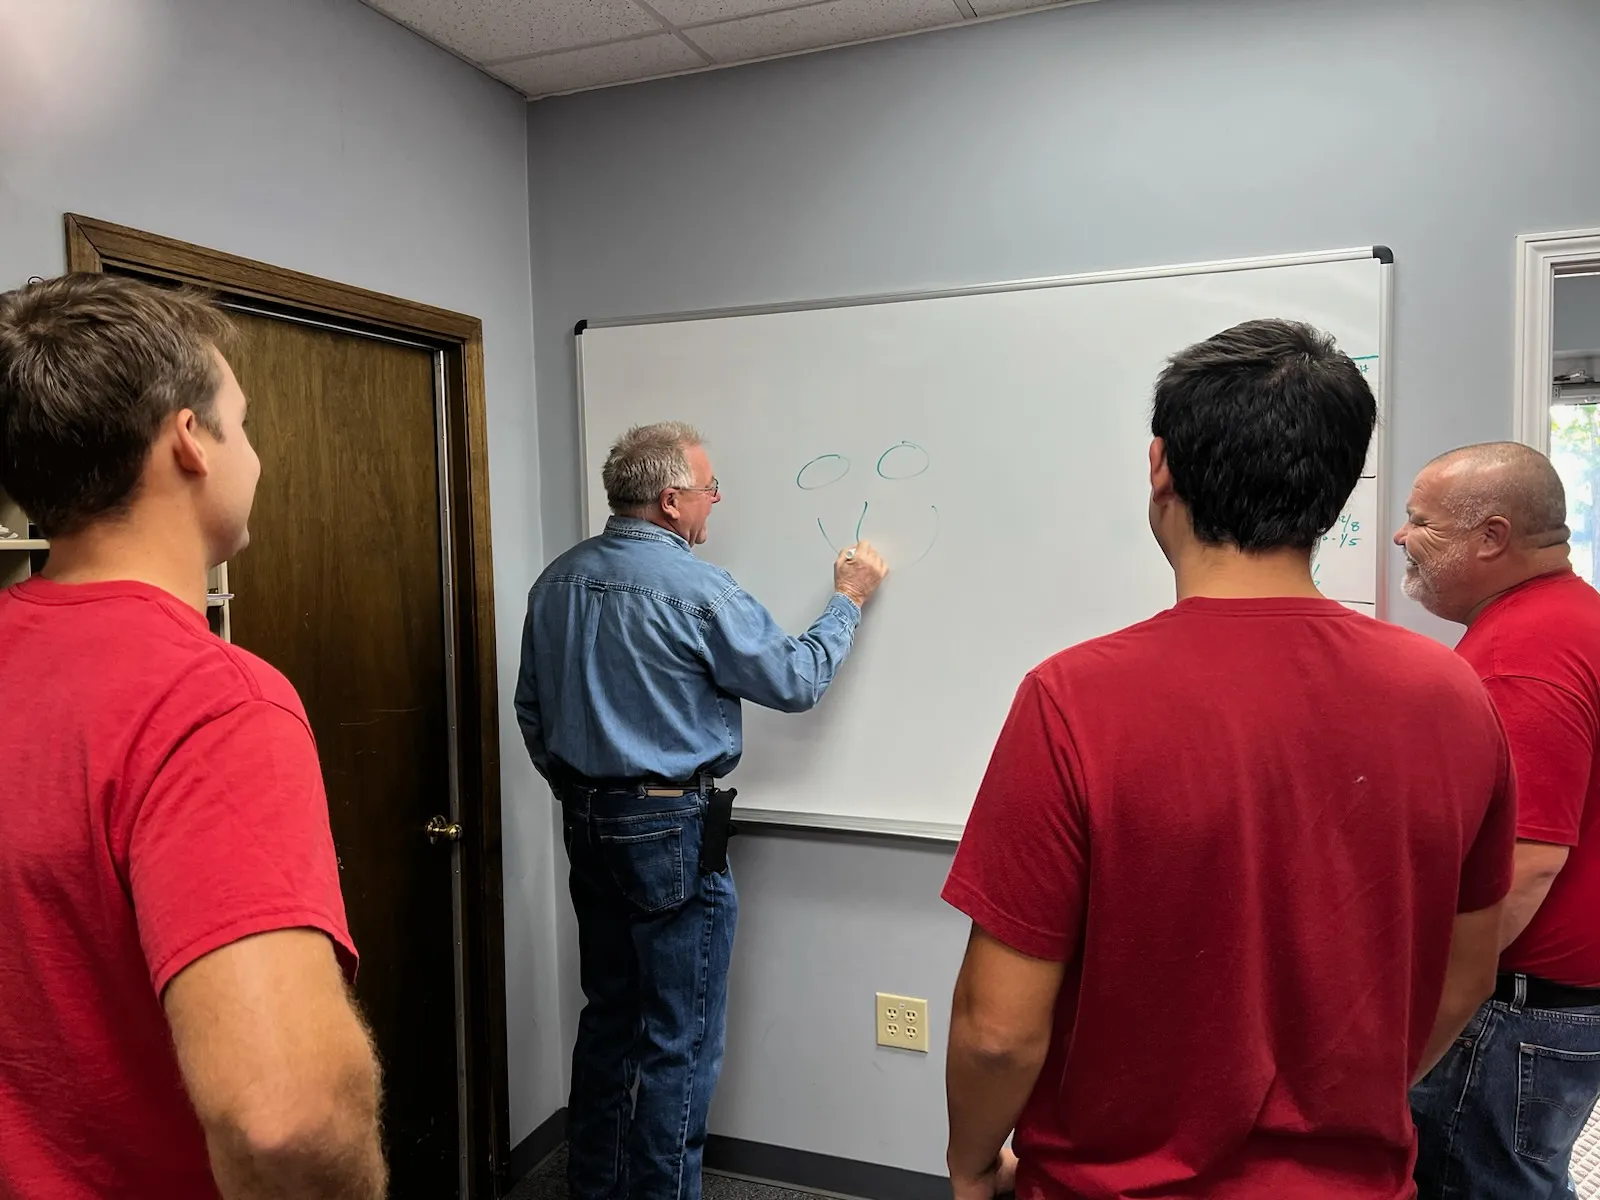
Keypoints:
pixel 821 1172
pixel 539 1145
pixel 780 1165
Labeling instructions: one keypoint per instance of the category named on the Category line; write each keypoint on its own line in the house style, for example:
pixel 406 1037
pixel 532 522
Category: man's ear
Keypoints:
pixel 188 451
pixel 1493 539
pixel 1161 486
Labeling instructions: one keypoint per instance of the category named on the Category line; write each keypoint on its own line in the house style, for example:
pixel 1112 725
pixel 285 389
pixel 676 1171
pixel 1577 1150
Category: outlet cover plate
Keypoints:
pixel 902 1022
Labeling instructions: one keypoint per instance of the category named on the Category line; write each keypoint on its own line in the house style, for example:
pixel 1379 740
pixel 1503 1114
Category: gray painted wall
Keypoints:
pixel 1109 135
pixel 317 135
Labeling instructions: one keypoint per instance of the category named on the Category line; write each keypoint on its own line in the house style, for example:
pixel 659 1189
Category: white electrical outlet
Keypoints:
pixel 902 1022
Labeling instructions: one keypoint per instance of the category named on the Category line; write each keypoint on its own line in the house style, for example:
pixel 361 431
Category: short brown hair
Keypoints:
pixel 90 365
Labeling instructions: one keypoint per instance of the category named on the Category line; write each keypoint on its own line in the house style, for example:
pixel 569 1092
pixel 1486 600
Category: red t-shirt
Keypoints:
pixel 1537 650
pixel 1247 827
pixel 161 798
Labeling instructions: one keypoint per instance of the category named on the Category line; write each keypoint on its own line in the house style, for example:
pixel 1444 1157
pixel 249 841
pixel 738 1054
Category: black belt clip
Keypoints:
pixel 719 826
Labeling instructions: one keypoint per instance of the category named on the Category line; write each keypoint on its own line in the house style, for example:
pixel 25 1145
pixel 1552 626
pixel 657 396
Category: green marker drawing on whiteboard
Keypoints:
pixel 901 461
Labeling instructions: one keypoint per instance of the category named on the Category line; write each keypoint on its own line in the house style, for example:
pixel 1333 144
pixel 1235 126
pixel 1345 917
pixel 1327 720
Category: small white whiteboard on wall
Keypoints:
pixel 992 442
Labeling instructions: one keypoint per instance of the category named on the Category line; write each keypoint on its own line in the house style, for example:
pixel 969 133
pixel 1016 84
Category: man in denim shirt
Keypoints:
pixel 635 656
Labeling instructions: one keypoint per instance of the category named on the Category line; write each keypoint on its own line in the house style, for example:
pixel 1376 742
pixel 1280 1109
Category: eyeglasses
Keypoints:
pixel 713 489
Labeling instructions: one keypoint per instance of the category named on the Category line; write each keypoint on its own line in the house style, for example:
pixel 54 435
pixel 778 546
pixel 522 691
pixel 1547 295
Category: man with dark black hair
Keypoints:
pixel 1234 873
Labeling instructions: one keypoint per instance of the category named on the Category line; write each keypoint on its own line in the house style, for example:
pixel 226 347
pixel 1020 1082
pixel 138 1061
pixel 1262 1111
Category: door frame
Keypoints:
pixel 1541 257
pixel 100 246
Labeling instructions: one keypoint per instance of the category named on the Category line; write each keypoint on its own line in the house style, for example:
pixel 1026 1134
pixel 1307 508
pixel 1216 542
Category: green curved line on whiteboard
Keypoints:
pixel 927 461
pixel 799 478
pixel 933 508
pixel 829 540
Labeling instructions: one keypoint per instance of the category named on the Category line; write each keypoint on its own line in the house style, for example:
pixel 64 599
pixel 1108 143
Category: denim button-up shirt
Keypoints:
pixel 636 654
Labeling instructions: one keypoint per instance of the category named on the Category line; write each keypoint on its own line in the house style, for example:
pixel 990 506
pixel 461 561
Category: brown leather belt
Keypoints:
pixel 719 826
pixel 564 776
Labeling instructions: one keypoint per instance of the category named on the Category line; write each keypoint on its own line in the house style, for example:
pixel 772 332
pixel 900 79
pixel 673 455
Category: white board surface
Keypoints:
pixel 993 444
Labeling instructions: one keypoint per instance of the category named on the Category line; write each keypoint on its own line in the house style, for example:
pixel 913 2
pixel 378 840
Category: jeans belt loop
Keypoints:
pixel 1519 995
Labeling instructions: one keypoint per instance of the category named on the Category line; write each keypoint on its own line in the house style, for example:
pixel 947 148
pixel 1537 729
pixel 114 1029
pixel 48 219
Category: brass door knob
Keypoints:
pixel 439 827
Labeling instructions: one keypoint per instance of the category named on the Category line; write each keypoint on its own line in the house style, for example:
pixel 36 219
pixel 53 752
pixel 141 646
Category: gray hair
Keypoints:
pixel 646 461
pixel 1510 480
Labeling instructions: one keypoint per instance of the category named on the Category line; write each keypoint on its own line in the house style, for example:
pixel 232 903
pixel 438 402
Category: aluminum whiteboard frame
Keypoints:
pixel 941 831
pixel 1385 414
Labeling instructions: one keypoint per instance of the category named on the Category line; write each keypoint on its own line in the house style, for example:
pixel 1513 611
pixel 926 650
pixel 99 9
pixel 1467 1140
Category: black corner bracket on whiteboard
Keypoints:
pixel 1382 253
pixel 577 330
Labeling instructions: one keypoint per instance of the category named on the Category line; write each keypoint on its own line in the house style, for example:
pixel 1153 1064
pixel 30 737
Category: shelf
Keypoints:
pixel 24 544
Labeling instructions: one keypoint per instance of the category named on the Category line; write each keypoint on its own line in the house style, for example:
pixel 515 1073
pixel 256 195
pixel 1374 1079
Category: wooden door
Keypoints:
pixel 342 589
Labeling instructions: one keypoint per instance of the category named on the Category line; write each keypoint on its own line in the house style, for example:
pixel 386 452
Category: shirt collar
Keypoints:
pixel 641 530
pixel 1559 575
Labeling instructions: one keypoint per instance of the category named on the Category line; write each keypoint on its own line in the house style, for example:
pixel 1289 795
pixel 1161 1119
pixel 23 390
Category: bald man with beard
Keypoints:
pixel 1485 542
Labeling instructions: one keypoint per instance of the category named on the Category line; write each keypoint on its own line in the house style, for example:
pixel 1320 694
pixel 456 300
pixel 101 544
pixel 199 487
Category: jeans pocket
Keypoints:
pixel 647 866
pixel 1555 1091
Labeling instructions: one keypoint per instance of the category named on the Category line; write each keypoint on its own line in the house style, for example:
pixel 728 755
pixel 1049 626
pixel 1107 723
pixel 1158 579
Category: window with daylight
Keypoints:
pixel 1575 412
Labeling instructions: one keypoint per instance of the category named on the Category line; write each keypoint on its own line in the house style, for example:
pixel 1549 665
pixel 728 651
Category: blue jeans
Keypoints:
pixel 655 938
pixel 1497 1118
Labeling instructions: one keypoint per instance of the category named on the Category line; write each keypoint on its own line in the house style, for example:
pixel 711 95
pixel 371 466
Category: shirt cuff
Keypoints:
pixel 250 924
pixel 1027 940
pixel 1532 831
pixel 846 608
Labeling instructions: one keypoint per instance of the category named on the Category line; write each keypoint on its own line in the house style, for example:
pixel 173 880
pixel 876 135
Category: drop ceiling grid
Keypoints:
pixel 546 47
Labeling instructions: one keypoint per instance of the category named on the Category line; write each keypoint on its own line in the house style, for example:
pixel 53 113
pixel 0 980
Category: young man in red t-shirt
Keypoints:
pixel 1486 546
pixel 174 1016
pixel 1234 873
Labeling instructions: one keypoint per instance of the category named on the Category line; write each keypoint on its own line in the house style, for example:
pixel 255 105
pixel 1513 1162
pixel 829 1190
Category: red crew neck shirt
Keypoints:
pixel 160 798
pixel 1537 651
pixel 1247 827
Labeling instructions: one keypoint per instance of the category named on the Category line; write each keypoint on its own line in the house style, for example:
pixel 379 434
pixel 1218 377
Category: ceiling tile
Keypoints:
pixel 485 30
pixel 597 66
pixel 834 23
pixel 704 12
pixel 994 8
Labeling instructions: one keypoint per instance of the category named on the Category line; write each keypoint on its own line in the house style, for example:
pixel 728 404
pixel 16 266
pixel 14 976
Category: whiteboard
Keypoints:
pixel 993 443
